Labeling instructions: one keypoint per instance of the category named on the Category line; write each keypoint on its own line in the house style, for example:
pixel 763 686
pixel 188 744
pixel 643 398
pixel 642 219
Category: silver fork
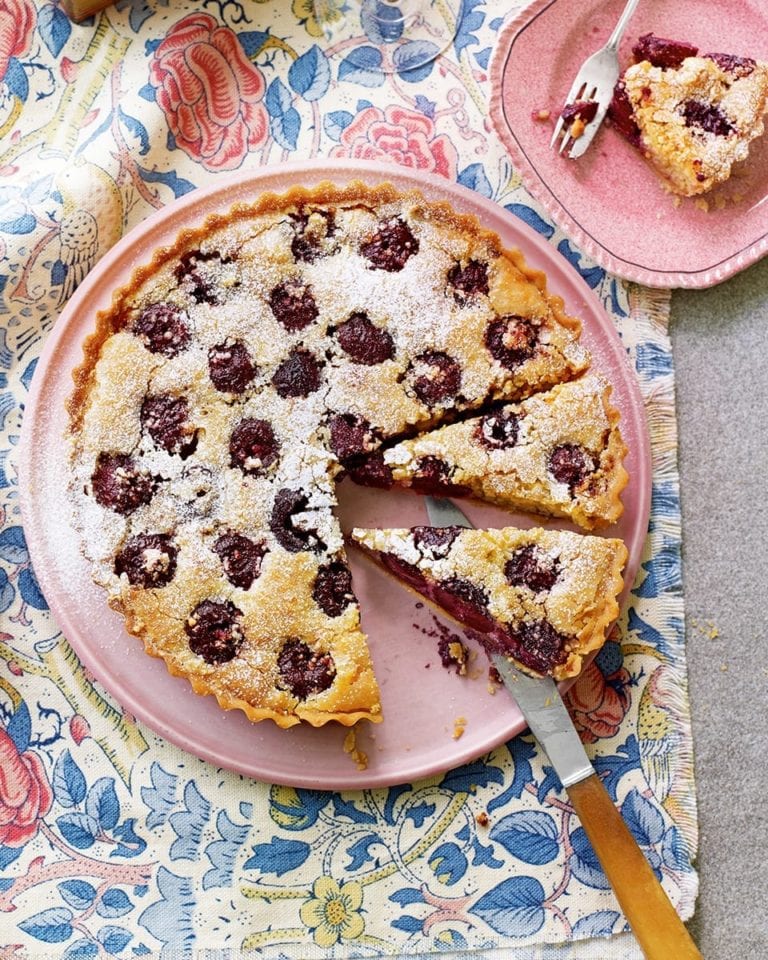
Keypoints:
pixel 594 82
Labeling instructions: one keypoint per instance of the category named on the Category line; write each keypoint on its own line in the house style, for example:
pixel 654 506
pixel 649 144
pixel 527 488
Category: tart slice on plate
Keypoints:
pixel 693 116
pixel 558 453
pixel 545 598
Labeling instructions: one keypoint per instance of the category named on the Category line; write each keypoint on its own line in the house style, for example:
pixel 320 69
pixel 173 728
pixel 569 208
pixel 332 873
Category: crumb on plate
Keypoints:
pixel 350 746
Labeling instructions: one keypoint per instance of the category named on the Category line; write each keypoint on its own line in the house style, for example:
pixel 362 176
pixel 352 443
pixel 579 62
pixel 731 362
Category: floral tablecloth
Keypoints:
pixel 114 842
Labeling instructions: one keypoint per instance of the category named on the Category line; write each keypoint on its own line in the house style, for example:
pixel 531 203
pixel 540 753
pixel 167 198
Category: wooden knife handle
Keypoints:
pixel 654 921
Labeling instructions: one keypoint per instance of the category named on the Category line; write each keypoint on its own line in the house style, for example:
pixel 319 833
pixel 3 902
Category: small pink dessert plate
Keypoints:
pixel 610 202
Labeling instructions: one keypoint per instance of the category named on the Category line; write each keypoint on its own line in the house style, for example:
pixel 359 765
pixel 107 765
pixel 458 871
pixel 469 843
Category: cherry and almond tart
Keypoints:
pixel 543 598
pixel 693 116
pixel 238 375
pixel 558 453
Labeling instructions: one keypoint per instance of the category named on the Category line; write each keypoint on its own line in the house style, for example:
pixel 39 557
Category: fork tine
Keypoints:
pixel 566 140
pixel 579 146
pixel 558 131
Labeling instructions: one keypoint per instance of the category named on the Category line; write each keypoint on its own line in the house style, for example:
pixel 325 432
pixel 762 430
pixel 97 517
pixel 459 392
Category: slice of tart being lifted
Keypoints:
pixel 558 453
pixel 545 598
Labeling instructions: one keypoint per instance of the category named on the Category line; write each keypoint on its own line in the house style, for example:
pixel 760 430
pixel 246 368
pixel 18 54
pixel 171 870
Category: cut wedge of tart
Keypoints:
pixel 545 598
pixel 230 383
pixel 692 116
pixel 558 453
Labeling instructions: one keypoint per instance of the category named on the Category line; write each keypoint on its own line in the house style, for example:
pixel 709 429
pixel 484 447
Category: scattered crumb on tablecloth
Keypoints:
pixel 706 629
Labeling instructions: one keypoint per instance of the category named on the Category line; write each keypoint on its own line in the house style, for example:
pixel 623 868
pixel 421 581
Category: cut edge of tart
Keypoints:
pixel 232 377
pixel 543 598
pixel 693 116
pixel 557 453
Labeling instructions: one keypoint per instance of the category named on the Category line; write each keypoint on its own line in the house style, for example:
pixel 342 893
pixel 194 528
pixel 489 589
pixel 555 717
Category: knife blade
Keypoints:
pixel 654 921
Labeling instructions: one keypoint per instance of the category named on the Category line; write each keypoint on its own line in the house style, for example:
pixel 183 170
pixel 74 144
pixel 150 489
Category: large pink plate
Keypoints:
pixel 609 201
pixel 421 701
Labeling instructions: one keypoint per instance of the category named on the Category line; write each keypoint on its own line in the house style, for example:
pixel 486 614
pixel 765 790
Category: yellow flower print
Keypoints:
pixel 313 14
pixel 332 914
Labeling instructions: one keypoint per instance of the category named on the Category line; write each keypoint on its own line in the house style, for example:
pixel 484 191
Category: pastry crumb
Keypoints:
pixel 359 758
pixel 707 629
pixel 541 116
pixel 457 653
pixel 701 204
pixel 482 819
pixel 577 128
pixel 459 726
pixel 723 668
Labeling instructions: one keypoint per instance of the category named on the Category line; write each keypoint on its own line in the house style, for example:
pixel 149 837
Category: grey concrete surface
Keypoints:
pixel 720 347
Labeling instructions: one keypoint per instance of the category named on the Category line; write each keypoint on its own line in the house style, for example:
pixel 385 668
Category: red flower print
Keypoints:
pixel 598 703
pixel 401 135
pixel 25 794
pixel 210 92
pixel 79 728
pixel 17 23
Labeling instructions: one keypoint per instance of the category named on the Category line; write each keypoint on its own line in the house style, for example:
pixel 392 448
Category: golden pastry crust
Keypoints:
pixel 558 453
pixel 225 389
pixel 545 598
pixel 697 120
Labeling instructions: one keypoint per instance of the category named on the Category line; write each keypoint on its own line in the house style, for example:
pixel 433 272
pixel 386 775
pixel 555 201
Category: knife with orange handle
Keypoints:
pixel 654 921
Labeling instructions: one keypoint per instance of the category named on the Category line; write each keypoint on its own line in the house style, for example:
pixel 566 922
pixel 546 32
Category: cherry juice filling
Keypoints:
pixel 363 342
pixel 241 558
pixel 332 590
pixel 304 671
pixel 166 419
pixel 162 328
pixel 120 484
pixel 373 471
pixel 469 280
pixel 214 631
pixel 253 446
pixel 148 560
pixel 464 601
pixel 623 116
pixel 433 477
pixel 585 110
pixel 298 375
pixel 434 377
pixel 536 644
pixel 663 53
pixel 390 248
pixel 230 367
pixel 293 305
pixel 351 437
